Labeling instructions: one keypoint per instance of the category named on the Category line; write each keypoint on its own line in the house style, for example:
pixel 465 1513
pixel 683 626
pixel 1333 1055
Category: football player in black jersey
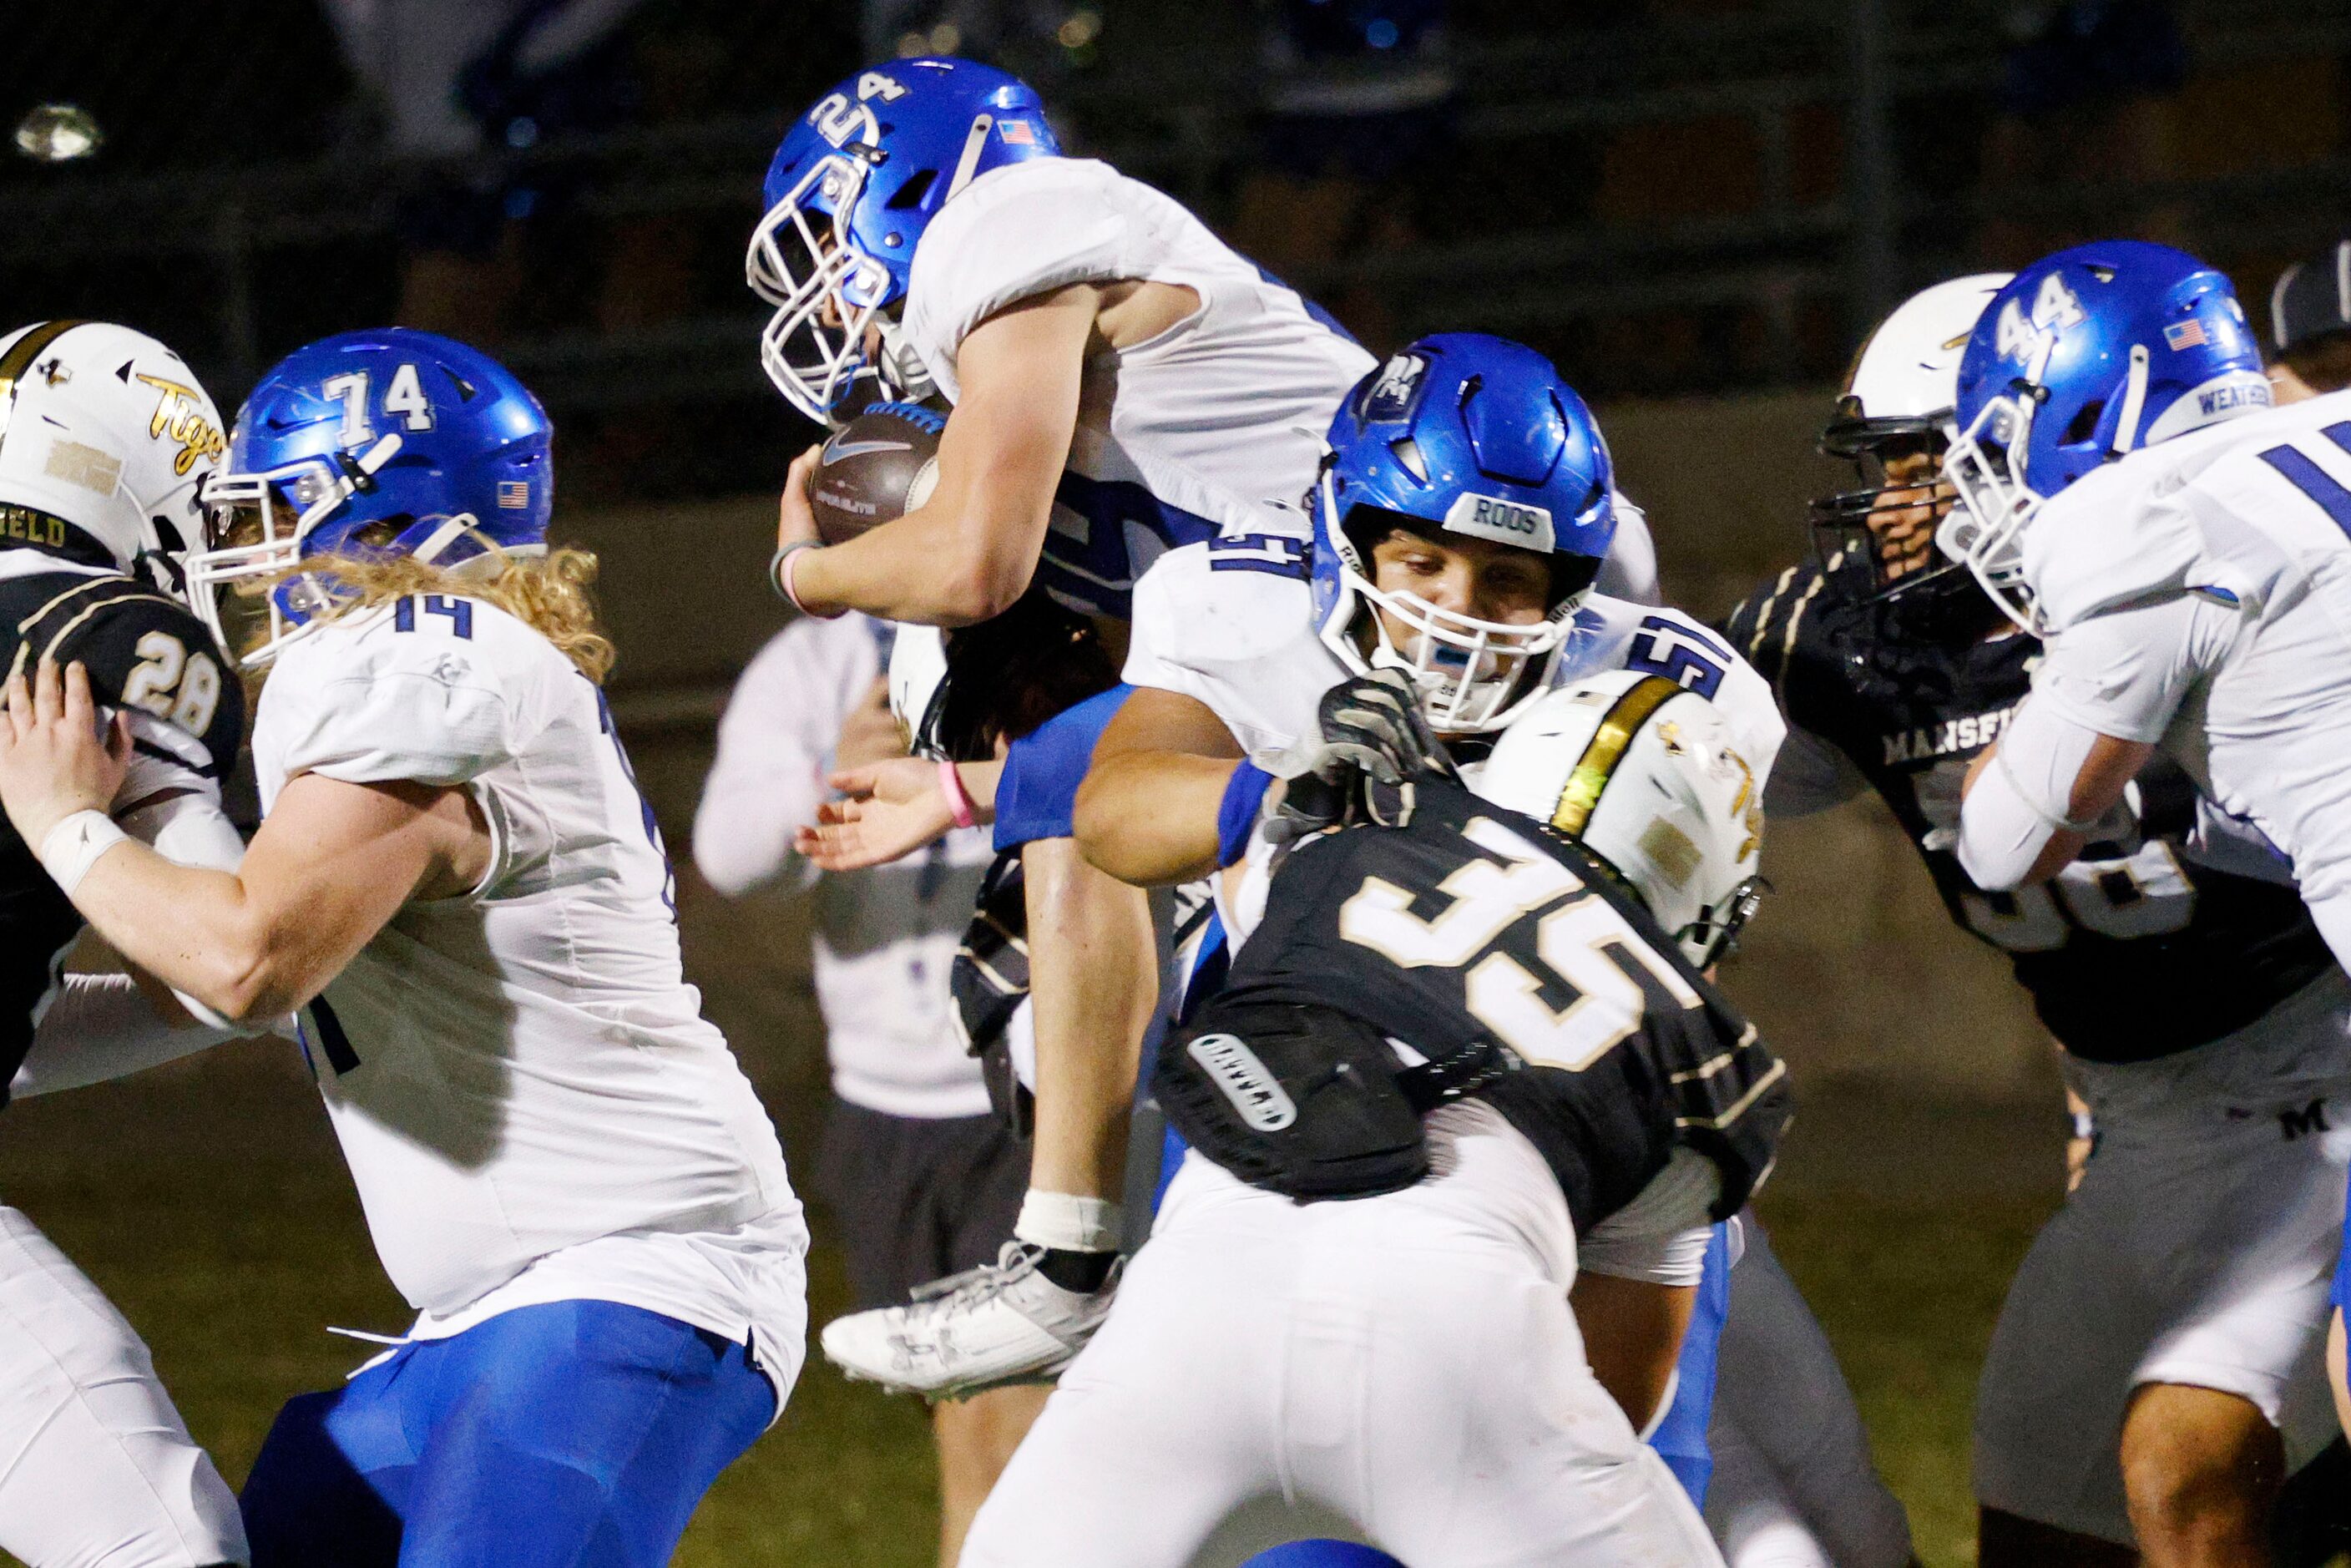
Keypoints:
pixel 2155 1376
pixel 106 438
pixel 1464 1062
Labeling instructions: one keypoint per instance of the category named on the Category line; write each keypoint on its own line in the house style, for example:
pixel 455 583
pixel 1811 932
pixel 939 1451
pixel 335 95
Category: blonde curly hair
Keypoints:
pixel 549 593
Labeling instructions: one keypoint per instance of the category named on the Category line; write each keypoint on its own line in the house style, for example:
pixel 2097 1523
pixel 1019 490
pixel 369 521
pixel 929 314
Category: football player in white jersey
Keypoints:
pixel 2128 495
pixel 1408 1357
pixel 1120 383
pixel 459 885
pixel 106 440
pixel 1458 525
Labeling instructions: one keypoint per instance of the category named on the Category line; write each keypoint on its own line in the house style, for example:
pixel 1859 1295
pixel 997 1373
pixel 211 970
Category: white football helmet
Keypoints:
pixel 1899 400
pixel 1644 773
pixel 1908 371
pixel 918 681
pixel 108 437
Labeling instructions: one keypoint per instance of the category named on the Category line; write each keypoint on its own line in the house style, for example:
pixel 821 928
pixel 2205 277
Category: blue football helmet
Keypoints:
pixel 1320 1553
pixel 380 442
pixel 2083 356
pixel 854 183
pixel 1478 436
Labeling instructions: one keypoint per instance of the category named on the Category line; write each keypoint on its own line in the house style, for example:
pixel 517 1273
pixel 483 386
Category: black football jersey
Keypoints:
pixel 142 650
pixel 1474 925
pixel 2132 952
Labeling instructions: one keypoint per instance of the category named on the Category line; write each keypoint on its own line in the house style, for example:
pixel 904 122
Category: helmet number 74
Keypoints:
pixel 405 397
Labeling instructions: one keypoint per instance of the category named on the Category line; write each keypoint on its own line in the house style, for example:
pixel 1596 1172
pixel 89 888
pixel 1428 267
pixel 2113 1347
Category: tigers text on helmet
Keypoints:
pixel 1893 424
pixel 107 442
pixel 2083 356
pixel 388 441
pixel 1644 773
pixel 1467 435
pixel 854 183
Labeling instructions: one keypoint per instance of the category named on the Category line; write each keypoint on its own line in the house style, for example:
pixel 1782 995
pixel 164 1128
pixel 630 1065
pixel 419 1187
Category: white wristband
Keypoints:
pixel 73 846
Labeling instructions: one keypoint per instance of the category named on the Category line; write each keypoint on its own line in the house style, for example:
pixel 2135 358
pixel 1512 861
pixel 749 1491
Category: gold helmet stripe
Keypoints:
pixel 1606 749
pixel 20 357
pixel 27 349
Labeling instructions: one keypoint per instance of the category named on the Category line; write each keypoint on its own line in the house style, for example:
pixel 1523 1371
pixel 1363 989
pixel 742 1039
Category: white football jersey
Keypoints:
pixel 1193 434
pixel 520 1072
pixel 1232 623
pixel 2201 593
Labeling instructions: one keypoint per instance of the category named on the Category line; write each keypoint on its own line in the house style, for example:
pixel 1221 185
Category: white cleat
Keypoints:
pixel 1001 1323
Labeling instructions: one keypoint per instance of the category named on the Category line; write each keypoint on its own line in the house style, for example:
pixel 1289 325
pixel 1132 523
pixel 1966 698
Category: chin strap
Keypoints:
pixel 2134 402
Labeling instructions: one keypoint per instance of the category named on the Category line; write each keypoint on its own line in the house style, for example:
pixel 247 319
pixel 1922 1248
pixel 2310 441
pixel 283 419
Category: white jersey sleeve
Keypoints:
pixel 1611 635
pixel 2125 672
pixel 1017 232
pixel 367 701
pixel 1229 623
pixel 775 743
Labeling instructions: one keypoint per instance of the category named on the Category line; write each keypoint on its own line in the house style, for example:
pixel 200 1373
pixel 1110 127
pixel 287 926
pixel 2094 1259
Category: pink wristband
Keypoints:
pixel 787 566
pixel 958 797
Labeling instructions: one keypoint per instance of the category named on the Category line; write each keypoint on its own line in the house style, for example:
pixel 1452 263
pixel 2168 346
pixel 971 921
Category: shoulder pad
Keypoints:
pixel 1613 634
pixel 1020 230
pixel 433 688
pixel 1225 601
pixel 146 651
pixel 2106 539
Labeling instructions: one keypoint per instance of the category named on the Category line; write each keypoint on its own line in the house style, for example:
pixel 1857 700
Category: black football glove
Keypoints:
pixel 1371 742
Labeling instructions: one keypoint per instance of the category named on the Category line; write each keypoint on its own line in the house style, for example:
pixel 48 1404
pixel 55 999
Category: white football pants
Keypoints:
pixel 97 1470
pixel 1793 1484
pixel 1400 1361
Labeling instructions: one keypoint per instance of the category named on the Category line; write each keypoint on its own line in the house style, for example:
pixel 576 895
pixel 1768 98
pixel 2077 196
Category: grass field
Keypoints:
pixel 209 1201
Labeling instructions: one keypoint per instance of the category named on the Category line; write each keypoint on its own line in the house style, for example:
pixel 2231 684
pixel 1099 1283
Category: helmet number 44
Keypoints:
pixel 2055 308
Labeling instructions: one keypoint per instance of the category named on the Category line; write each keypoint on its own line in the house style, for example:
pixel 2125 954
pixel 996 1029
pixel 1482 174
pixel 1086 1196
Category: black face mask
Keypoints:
pixel 1918 594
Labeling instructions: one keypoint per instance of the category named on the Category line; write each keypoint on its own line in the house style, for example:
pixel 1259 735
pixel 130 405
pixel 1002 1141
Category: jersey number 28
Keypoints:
pixel 175 685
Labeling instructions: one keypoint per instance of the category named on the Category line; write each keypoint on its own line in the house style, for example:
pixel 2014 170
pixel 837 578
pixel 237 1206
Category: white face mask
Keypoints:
pixel 1984 531
pixel 1473 675
pixel 803 266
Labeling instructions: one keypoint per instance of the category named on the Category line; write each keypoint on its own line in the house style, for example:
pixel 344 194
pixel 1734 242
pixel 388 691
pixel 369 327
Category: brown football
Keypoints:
pixel 881 463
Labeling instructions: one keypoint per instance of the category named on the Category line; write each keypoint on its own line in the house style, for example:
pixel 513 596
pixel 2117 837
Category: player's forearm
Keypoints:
pixel 2034 800
pixel 744 830
pixel 201 932
pixel 939 565
pixel 1150 817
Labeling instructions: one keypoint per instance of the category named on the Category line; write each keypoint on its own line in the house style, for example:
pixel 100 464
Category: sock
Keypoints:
pixel 1082 1272
pixel 1071 1223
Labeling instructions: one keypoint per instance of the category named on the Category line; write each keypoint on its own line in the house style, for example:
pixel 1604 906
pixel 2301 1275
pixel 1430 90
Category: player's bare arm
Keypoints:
pixel 969 550
pixel 330 867
pixel 1147 812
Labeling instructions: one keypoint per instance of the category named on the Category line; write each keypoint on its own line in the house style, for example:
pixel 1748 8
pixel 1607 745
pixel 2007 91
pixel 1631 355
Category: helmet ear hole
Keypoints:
pixel 912 193
pixel 2085 423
